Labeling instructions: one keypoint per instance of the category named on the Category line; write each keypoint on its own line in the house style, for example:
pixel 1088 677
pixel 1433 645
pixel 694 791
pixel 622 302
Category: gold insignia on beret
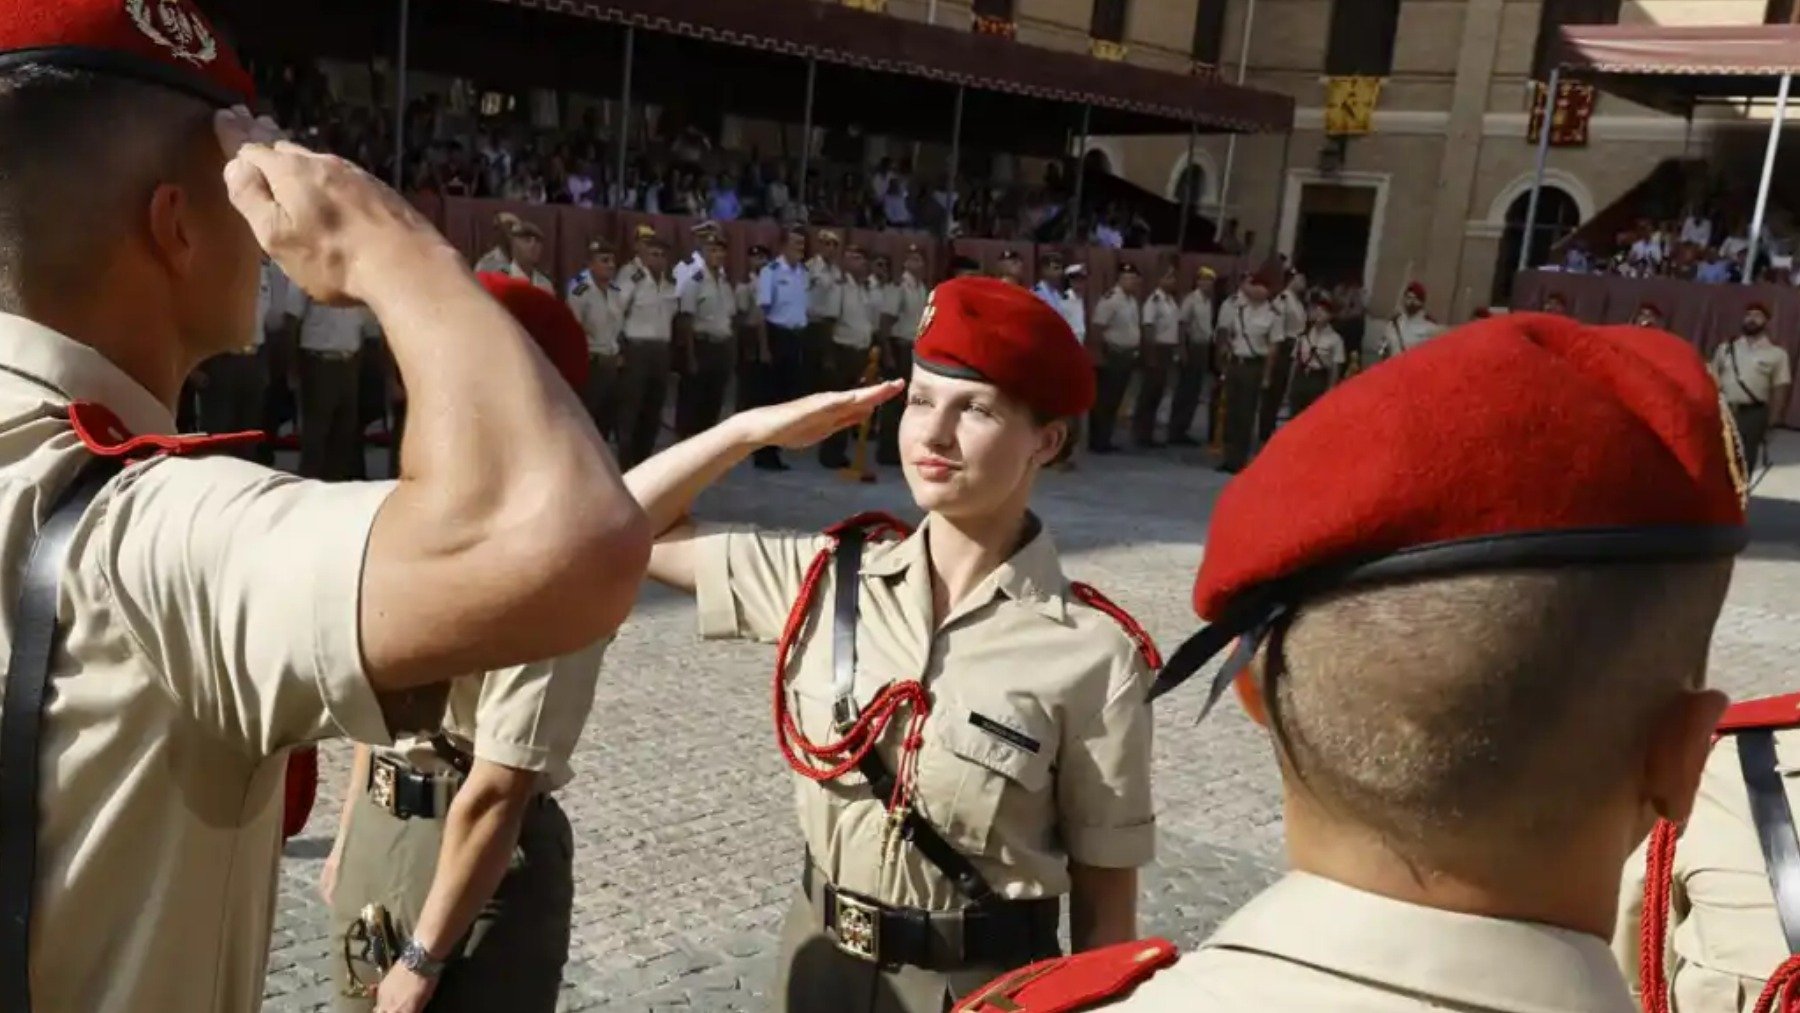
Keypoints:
pixel 1736 461
pixel 928 316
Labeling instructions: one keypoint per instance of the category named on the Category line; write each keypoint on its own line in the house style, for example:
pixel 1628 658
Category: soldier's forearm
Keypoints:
pixel 1102 906
pixel 480 833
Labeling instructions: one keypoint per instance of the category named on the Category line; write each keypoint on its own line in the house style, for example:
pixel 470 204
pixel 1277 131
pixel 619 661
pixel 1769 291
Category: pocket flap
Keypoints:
pixel 1001 742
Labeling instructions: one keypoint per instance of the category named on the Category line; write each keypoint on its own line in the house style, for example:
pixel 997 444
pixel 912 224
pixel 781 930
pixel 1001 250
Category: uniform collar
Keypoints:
pixel 76 372
pixel 1032 577
pixel 1756 342
pixel 1464 961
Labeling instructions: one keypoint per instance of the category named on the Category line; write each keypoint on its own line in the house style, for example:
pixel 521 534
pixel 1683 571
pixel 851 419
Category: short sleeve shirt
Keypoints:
pixel 854 315
pixel 647 303
pixel 822 283
pixel 1197 316
pixel 337 330
pixel 1037 750
pixel 1254 327
pixel 912 295
pixel 598 307
pixel 211 617
pixel 1162 318
pixel 1119 320
pixel 1320 348
pixel 708 298
pixel 1748 370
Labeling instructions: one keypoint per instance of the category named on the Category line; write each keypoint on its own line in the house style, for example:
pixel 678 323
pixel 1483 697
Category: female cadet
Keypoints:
pixel 1318 356
pixel 968 729
pixel 450 883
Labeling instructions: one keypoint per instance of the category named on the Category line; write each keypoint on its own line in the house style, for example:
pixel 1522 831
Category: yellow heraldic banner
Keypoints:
pixel 1350 105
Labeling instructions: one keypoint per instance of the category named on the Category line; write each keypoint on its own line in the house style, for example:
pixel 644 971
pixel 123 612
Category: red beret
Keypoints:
pixel 1652 307
pixel 1571 445
pixel 989 330
pixel 1413 288
pixel 1760 307
pixel 548 320
pixel 164 42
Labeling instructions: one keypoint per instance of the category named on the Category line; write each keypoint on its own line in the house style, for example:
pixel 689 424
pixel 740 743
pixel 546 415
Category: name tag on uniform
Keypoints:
pixel 1005 733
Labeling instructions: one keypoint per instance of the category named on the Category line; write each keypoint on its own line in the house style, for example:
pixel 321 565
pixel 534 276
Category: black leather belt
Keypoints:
pixel 999 932
pixel 403 792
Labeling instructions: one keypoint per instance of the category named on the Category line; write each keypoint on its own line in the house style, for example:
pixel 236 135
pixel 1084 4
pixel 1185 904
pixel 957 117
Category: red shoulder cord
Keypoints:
pixel 829 761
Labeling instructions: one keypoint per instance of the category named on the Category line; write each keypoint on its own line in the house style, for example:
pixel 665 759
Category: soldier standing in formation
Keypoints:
pixel 909 298
pixel 1011 267
pixel 234 395
pixel 1248 330
pixel 499 256
pixel 1755 376
pixel 1119 319
pixel 784 292
pixel 1409 328
pixel 1161 348
pixel 598 303
pixel 330 342
pixel 1074 309
pixel 997 707
pixel 1049 285
pixel 824 276
pixel 528 256
pixel 1290 305
pixel 452 833
pixel 694 267
pixel 752 332
pixel 647 304
pixel 853 313
pixel 1193 359
pixel 1319 357
pixel 210 614
pixel 705 322
pixel 1471 743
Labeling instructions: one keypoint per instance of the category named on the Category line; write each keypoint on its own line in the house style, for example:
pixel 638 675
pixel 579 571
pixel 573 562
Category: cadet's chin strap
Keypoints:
pixel 35 640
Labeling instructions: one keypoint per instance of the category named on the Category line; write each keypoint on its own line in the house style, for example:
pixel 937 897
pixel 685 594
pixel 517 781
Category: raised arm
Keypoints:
pixel 509 535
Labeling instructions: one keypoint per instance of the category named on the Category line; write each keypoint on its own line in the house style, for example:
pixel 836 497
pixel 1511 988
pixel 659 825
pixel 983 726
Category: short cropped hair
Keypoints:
pixel 1463 718
pixel 80 156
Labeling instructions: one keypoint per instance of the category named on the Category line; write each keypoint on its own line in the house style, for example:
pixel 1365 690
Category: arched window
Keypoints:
pixel 1557 216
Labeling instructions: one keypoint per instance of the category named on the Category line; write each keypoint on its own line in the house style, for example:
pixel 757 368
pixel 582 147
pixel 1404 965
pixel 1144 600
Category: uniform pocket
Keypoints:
pixel 979 756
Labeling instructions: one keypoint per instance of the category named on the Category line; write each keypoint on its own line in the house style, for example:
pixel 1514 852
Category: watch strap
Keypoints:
pixel 417 959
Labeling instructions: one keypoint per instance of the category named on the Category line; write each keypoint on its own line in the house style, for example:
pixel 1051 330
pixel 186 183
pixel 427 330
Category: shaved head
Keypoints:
pixel 1460 718
pixel 80 155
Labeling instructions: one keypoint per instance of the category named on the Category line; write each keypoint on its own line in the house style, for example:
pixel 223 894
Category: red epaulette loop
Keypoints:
pixel 1090 596
pixel 105 436
pixel 1773 712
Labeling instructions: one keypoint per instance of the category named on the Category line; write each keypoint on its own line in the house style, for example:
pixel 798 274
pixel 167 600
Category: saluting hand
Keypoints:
pixel 334 229
pixel 806 421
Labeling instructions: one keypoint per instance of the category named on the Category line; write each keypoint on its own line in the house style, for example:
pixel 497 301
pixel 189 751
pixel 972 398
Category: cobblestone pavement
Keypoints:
pixel 686 854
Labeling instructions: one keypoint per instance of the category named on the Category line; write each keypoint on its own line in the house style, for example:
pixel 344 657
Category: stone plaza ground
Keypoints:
pixel 686 855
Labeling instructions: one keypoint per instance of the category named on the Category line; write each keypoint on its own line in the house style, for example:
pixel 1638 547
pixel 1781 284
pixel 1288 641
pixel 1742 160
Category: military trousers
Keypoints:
pixel 1243 397
pixel 1278 381
pixel 1753 426
pixel 330 434
pixel 816 371
pixel 232 400
pixel 1115 369
pixel 1190 385
pixel 1309 385
pixel 780 379
pixel 887 444
pixel 847 365
pixel 817 977
pixel 643 390
pixel 601 395
pixel 701 396
pixel 513 957
pixel 1153 384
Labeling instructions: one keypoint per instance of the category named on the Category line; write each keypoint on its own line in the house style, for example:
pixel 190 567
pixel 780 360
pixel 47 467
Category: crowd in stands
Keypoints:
pixel 1701 245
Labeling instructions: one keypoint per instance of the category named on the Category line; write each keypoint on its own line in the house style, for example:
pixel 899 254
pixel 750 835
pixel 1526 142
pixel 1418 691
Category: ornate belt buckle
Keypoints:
pixel 381 783
pixel 858 928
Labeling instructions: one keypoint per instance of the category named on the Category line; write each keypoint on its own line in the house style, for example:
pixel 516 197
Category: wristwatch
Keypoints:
pixel 417 959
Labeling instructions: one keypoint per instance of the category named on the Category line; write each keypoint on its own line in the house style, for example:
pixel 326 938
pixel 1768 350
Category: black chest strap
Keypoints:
pixel 914 828
pixel 1774 820
pixel 35 635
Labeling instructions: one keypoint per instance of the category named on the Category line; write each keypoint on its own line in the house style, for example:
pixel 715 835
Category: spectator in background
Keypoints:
pixel 580 186
pixel 725 205
pixel 777 197
pixel 1716 269
pixel 1697 228
pixel 894 208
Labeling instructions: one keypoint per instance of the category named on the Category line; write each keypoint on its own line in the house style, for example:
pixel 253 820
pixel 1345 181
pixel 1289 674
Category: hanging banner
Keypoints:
pixel 1350 105
pixel 986 24
pixel 1107 50
pixel 1569 122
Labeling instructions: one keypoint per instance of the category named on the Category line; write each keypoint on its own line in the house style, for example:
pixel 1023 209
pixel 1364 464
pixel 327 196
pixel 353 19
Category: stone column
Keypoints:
pixel 1462 150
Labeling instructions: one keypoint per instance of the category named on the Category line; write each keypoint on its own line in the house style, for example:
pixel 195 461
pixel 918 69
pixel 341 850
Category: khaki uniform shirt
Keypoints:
pixel 538 279
pixel 600 308
pixel 750 312
pixel 822 283
pixel 331 330
pixel 494 261
pixel 647 304
pixel 1252 330
pixel 1308 943
pixel 1162 318
pixel 711 302
pixel 527 718
pixel 886 305
pixel 1407 332
pixel 854 310
pixel 1197 317
pixel 912 296
pixel 1748 370
pixel 1320 349
pixel 1724 938
pixel 1119 320
pixel 210 610
pixel 1037 751
pixel 1292 311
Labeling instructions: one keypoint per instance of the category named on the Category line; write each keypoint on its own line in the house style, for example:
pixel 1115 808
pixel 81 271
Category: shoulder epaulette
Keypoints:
pixel 1773 712
pixel 105 436
pixel 581 288
pixel 1077 982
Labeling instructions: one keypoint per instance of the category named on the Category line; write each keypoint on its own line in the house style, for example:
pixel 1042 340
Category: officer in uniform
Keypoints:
pixel 784 292
pixel 1319 357
pixel 1409 328
pixel 694 267
pixel 824 276
pixel 1193 357
pixel 191 617
pixel 1755 376
pixel 1072 305
pixel 1011 267
pixel 752 331
pixel 1002 705
pixel 331 349
pixel 1119 320
pixel 233 397
pixel 1162 346
pixel 1248 329
pixel 598 303
pixel 499 256
pixel 705 323
pixel 853 313
pixel 647 304
pixel 909 297
pixel 453 834
pixel 528 256
pixel 1049 286
pixel 1290 304
pixel 1471 742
